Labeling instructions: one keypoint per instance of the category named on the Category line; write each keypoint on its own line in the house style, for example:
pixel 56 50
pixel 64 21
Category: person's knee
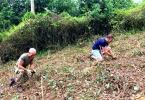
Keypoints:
pixel 98 58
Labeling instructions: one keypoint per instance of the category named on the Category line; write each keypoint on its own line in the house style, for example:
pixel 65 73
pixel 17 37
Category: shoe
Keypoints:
pixel 12 82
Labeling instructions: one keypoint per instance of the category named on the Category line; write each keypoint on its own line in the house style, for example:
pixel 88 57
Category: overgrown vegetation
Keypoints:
pixel 69 73
pixel 50 30
pixel 44 32
pixel 127 20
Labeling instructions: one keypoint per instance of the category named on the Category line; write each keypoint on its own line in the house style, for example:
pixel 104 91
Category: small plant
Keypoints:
pixel 52 83
pixel 27 16
pixel 101 77
pixel 43 52
pixel 142 44
pixel 15 97
pixel 70 87
pixel 67 69
pixel 137 52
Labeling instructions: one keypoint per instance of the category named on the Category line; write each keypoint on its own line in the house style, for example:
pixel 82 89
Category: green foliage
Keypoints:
pixel 5 16
pixel 137 52
pixel 43 53
pixel 44 32
pixel 101 77
pixel 59 6
pixel 11 12
pixel 102 12
pixel 1 38
pixel 40 5
pixel 67 69
pixel 15 97
pixel 28 15
pixel 103 8
pixel 19 8
pixel 87 5
pixel 132 19
pixel 4 35
pixel 49 30
pixel 122 4
pixel 14 11
pixel 96 12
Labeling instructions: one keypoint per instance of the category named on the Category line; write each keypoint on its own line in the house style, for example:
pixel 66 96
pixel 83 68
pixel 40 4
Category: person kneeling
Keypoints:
pixel 101 48
pixel 21 69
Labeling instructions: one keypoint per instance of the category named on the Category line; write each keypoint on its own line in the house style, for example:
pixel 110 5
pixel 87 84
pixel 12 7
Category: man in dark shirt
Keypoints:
pixel 100 48
pixel 21 65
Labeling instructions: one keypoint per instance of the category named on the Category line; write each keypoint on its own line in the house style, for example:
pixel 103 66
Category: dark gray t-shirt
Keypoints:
pixel 26 60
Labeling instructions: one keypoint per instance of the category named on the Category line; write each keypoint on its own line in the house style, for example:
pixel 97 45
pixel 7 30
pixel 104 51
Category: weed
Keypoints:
pixel 137 52
pixel 101 77
pixel 15 97
pixel 52 83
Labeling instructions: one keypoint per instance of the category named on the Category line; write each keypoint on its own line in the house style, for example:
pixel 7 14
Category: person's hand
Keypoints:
pixel 29 71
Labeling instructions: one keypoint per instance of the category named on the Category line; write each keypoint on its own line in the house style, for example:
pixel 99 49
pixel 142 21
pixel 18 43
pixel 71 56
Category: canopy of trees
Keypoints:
pixel 12 11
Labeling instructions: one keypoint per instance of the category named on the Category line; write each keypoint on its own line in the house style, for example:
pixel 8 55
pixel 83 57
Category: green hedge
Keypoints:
pixel 132 19
pixel 44 32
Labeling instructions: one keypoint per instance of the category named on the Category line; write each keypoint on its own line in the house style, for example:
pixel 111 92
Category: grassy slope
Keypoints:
pixel 70 74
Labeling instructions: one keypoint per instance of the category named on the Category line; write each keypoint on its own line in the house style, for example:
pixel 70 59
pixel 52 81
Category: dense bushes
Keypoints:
pixel 132 19
pixel 48 30
pixel 44 32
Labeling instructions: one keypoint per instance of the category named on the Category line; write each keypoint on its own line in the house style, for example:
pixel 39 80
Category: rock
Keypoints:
pixel 136 88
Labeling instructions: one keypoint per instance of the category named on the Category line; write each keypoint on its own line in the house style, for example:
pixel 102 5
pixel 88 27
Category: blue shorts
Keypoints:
pixel 96 54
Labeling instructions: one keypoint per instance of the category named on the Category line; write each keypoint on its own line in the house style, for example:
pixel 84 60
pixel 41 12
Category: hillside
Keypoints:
pixel 69 74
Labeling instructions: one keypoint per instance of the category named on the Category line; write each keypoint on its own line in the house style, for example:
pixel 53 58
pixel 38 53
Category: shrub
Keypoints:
pixel 127 20
pixel 44 32
pixel 28 15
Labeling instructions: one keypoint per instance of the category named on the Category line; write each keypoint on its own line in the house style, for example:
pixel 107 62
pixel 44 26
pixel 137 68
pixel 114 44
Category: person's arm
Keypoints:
pixel 20 65
pixel 108 51
pixel 32 67
pixel 111 54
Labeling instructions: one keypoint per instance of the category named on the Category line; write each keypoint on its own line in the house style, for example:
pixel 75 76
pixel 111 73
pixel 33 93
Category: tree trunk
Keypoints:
pixel 32 7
